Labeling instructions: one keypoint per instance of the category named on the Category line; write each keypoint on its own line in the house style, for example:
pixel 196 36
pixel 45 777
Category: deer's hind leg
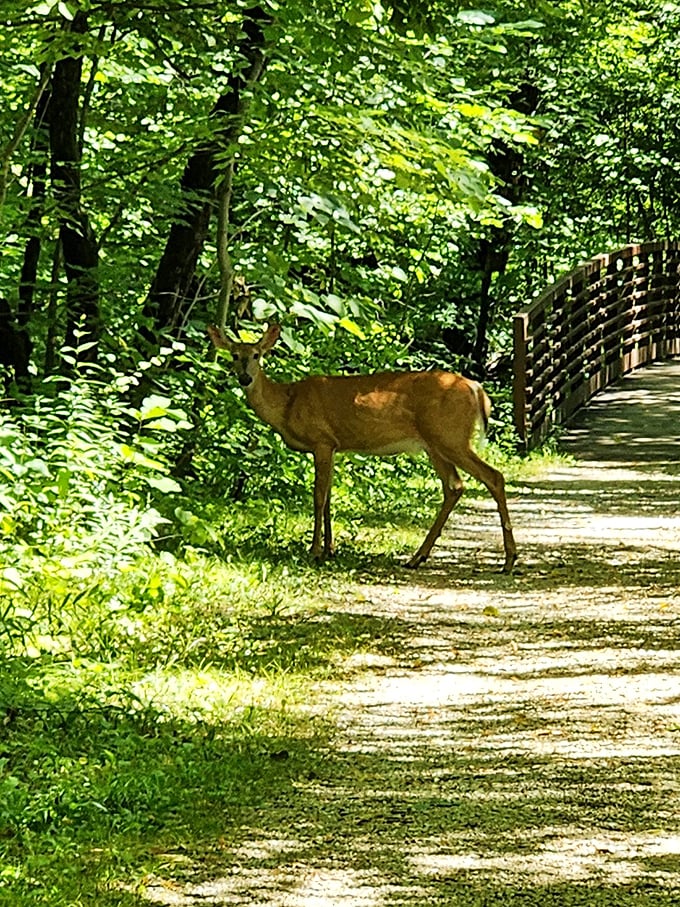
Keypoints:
pixel 495 482
pixel 452 486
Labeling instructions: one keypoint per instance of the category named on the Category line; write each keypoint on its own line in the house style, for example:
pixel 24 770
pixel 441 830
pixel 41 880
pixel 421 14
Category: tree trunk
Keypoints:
pixel 78 242
pixel 507 164
pixel 37 179
pixel 15 349
pixel 19 129
pixel 171 290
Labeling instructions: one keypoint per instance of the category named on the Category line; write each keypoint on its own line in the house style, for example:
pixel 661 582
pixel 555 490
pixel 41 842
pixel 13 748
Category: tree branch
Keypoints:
pixel 20 130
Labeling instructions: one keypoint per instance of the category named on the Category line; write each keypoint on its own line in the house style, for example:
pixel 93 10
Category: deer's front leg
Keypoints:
pixel 322 541
pixel 328 546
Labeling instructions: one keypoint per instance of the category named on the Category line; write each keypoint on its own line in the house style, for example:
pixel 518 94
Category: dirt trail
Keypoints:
pixel 518 739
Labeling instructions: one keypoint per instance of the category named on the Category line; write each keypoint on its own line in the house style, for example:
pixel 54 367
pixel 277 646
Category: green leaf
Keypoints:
pixel 359 12
pixel 132 456
pixel 475 17
pixel 63 482
pixel 153 407
pixel 529 214
pixel 38 465
pixel 43 9
pixel 472 110
pixel 163 483
pixel 169 425
pixel 351 327
pixel 312 313
pixel 11 579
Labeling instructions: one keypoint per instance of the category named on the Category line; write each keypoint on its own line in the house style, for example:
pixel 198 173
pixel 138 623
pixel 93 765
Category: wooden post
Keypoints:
pixel 519 391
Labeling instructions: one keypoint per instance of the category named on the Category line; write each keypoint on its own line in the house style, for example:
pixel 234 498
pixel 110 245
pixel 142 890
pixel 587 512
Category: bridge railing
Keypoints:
pixel 604 319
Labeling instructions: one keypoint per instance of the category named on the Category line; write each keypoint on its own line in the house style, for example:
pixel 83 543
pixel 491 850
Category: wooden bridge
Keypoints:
pixel 606 318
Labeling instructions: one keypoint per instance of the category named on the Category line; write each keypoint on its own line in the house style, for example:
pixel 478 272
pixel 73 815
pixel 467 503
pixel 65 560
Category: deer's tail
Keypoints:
pixel 483 410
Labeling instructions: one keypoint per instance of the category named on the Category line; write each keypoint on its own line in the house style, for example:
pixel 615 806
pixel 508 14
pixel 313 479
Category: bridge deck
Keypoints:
pixel 634 422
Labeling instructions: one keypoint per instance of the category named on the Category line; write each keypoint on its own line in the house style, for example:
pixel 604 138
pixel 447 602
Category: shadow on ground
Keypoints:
pixel 502 740
pixel 499 739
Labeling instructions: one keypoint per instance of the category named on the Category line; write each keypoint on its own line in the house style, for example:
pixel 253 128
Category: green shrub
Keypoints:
pixel 81 471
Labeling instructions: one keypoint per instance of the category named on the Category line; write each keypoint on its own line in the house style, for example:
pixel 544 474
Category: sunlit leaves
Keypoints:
pixel 475 17
pixel 370 143
pixel 325 210
pixel 364 12
pixel 65 10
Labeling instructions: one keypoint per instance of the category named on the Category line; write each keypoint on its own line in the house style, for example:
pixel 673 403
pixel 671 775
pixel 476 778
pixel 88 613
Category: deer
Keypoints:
pixel 383 414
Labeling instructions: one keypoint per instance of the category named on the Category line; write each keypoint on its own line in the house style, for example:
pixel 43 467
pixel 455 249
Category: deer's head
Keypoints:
pixel 246 357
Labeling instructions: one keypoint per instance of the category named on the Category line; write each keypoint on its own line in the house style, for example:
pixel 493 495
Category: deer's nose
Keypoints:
pixel 244 380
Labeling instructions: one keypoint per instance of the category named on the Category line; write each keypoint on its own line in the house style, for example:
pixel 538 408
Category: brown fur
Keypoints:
pixel 382 414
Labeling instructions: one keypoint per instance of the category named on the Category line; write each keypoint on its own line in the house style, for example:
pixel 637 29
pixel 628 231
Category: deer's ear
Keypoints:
pixel 271 335
pixel 219 339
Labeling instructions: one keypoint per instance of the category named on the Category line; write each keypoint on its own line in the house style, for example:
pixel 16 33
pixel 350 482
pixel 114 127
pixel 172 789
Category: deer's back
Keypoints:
pixel 384 413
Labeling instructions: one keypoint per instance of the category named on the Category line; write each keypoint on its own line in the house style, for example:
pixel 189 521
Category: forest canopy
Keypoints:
pixel 350 165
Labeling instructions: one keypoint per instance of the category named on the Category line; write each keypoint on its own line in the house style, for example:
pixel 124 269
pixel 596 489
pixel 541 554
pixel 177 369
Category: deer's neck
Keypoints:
pixel 269 400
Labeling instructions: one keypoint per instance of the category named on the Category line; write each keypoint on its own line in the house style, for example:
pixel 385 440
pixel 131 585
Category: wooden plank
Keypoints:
pixel 602 319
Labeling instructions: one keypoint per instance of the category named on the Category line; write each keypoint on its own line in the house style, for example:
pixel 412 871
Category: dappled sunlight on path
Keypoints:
pixel 518 738
pixel 635 422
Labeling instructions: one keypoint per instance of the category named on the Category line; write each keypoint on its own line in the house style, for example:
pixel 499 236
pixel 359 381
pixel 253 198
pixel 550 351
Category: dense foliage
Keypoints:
pixel 389 180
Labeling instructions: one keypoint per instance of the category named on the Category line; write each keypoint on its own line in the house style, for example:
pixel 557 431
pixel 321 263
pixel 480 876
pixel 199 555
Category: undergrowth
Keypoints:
pixel 160 641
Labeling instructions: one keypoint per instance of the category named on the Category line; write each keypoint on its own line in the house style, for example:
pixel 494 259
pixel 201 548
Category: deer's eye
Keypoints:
pixel 234 356
pixel 256 355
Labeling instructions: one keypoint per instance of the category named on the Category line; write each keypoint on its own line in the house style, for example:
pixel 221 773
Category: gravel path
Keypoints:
pixel 516 739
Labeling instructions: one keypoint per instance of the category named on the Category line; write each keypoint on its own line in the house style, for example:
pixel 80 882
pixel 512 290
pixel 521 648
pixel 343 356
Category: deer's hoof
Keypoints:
pixel 510 562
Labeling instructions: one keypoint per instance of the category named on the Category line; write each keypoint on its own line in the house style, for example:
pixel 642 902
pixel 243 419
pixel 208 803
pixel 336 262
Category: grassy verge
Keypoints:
pixel 152 703
pixel 93 791
pixel 151 709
